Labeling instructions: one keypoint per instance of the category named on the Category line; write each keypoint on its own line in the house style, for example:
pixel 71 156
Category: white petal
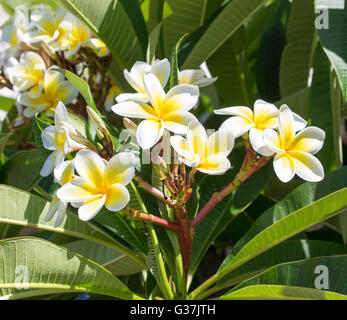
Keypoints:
pixel 133 109
pixel 155 91
pixel 161 69
pixel 244 112
pixel 197 138
pixel 272 140
pixel 307 166
pixel 117 197
pixel 90 166
pixel 220 142
pixel 284 167
pixel 299 123
pixel 89 210
pixel 256 138
pixel 286 125
pixel 49 165
pixel 120 168
pixel 49 137
pixel 204 82
pixel 62 206
pixel 149 132
pixel 137 97
pixel 60 114
pixel 181 146
pixel 177 121
pixel 215 165
pixel 136 74
pixel 309 140
pixel 190 76
pixel 78 190
pixel 237 126
pixel 181 97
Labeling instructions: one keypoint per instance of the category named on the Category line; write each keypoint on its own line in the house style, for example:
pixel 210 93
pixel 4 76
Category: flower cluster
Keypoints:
pixel 33 43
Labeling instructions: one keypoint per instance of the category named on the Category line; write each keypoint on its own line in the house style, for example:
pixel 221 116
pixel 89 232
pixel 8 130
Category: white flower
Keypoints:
pixel 294 152
pixel 206 154
pixel 169 111
pixel 99 184
pixel 160 68
pixel 99 46
pixel 78 37
pixel 196 77
pixel 56 138
pixel 47 28
pixel 62 175
pixel 12 34
pixel 265 115
pixel 55 89
pixel 27 74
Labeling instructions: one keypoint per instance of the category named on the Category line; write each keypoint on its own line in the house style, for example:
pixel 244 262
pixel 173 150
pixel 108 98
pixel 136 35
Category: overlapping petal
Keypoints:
pixel 149 132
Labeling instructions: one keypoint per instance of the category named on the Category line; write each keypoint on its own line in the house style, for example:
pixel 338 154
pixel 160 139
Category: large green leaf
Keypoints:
pixel 333 36
pixel 22 170
pixel 230 64
pixel 25 209
pixel 291 250
pixel 278 292
pixel 31 267
pixel 296 57
pixel 304 207
pixel 116 262
pixel 112 22
pixel 304 274
pixel 225 24
pixel 223 213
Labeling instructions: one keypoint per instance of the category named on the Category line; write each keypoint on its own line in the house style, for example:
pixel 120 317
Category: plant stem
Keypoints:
pixel 248 167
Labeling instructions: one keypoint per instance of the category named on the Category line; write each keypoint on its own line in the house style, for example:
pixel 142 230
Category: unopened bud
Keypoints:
pixel 130 125
pixel 100 124
pixel 99 134
pixel 100 146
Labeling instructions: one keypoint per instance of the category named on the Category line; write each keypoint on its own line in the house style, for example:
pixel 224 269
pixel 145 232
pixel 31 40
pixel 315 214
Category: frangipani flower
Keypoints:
pixel 99 46
pixel 294 152
pixel 169 111
pixel 265 115
pixel 196 77
pixel 111 96
pixel 47 28
pixel 12 34
pixel 77 38
pixel 99 184
pixel 27 74
pixel 206 154
pixel 55 89
pixel 56 138
pixel 160 68
pixel 62 175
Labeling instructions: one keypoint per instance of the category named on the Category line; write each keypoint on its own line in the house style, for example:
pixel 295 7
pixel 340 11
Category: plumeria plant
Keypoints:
pixel 153 164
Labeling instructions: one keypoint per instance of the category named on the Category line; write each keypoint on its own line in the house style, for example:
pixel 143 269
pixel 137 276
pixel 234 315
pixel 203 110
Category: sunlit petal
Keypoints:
pixel 215 165
pixel 307 166
pixel 133 109
pixel 120 168
pixel 177 121
pixel 161 69
pixel 256 138
pixel 90 209
pixel 49 137
pixel 117 197
pixel 77 191
pixel 90 166
pixel 244 112
pixel 284 167
pixel 286 127
pixel 220 142
pixel 272 140
pixel 149 132
pixel 237 125
pixel 138 97
pixel 155 91
pixel 310 140
pixel 181 146
pixel 49 165
pixel 197 138
pixel 60 114
pixel 299 123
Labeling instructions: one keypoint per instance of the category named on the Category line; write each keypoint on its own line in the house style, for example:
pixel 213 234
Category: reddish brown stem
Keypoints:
pixel 219 196
pixel 156 220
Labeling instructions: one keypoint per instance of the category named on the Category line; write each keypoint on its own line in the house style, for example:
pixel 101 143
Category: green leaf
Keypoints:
pixel 153 40
pixel 22 170
pixel 82 86
pixel 230 64
pixel 304 274
pixel 174 63
pixel 333 36
pixel 291 250
pixel 224 212
pixel 12 4
pixel 116 262
pixel 31 267
pixel 186 17
pixel 225 24
pixel 277 292
pixel 110 21
pixel 304 207
pixel 6 103
pixel 296 59
pixel 25 209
